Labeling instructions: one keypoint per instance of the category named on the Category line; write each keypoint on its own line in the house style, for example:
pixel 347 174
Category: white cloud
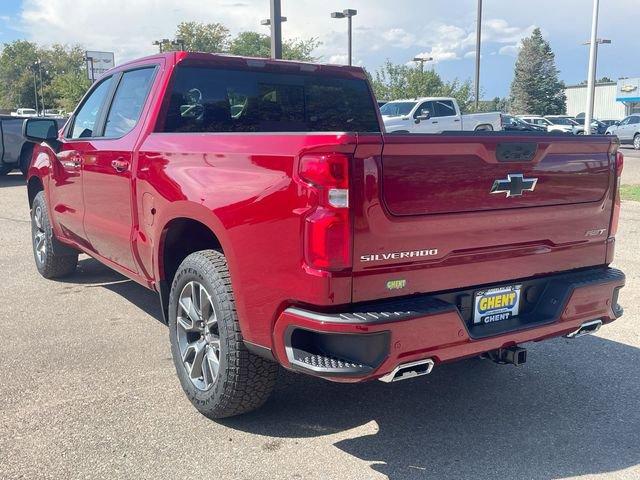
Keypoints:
pixel 399 37
pixel 510 50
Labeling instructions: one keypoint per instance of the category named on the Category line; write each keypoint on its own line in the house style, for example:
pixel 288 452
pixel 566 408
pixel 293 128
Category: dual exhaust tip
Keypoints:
pixel 512 355
pixel 409 370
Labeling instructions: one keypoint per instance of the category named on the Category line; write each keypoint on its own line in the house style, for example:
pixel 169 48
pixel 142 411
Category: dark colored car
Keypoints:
pixel 280 225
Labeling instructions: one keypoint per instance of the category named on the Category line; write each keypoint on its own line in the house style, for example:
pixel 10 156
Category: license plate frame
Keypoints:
pixel 496 304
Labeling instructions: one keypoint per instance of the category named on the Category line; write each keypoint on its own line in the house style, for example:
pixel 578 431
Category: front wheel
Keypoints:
pixel 50 264
pixel 219 375
pixel 636 141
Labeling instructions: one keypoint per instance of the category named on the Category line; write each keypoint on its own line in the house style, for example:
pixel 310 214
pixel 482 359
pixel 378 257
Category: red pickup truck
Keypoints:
pixel 280 224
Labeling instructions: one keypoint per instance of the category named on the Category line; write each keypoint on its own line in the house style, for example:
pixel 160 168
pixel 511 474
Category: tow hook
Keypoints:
pixel 504 356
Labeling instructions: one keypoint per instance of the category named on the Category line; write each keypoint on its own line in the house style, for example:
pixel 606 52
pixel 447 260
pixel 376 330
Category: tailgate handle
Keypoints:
pixel 516 152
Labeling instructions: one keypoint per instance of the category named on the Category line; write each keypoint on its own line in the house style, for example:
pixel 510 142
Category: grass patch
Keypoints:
pixel 630 192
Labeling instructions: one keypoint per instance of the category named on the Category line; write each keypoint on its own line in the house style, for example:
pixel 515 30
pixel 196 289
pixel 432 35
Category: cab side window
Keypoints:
pixel 634 120
pixel 444 108
pixel 85 120
pixel 128 101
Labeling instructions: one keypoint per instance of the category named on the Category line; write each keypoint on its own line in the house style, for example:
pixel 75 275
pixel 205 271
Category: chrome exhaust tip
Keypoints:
pixel 586 328
pixel 406 371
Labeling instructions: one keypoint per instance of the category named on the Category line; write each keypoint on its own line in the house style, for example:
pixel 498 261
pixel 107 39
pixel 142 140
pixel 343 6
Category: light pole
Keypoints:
pixel 422 61
pixel 591 80
pixel 35 89
pixel 38 64
pixel 275 22
pixel 599 41
pixel 478 44
pixel 160 44
pixel 348 14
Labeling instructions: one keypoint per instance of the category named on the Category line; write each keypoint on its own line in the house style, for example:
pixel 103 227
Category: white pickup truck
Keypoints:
pixel 435 115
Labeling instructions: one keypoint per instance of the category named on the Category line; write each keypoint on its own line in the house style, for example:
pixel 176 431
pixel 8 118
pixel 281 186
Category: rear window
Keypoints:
pixel 204 99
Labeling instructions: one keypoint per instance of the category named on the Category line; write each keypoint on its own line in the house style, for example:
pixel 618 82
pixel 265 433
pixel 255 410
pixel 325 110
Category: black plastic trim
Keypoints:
pixel 544 299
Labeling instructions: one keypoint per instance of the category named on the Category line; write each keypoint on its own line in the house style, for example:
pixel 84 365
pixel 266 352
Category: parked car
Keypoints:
pixel 563 123
pixel 15 152
pixel 609 122
pixel 628 131
pixel 299 233
pixel 543 122
pixel 25 112
pixel 434 115
pixel 597 128
pixel 381 103
pixel 511 123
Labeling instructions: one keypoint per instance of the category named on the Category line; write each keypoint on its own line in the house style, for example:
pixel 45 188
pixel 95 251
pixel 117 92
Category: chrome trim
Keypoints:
pixel 391 377
pixel 498 183
pixel 585 329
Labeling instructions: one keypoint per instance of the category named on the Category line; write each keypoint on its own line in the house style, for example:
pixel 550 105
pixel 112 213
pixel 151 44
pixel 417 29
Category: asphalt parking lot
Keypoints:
pixel 88 390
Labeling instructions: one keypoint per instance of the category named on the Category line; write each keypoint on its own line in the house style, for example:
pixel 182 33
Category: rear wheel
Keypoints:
pixel 219 375
pixel 49 263
pixel 636 141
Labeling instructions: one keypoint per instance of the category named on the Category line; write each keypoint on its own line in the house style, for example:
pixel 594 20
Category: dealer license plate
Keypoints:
pixel 496 304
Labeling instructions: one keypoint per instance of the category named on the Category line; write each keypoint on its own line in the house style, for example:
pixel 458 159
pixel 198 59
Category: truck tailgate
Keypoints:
pixel 441 212
pixel 456 176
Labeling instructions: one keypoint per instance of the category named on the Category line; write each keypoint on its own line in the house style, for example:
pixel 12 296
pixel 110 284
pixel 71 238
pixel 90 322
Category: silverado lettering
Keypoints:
pixel 398 255
pixel 249 196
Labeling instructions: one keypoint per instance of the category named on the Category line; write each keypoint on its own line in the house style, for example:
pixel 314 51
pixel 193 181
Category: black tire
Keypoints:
pixel 25 159
pixel 4 169
pixel 243 381
pixel 49 263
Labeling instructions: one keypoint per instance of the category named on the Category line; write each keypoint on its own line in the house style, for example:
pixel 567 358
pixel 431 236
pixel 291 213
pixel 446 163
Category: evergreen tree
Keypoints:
pixel 536 88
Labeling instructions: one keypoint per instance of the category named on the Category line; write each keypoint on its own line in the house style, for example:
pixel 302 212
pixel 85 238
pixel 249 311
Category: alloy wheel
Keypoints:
pixel 39 235
pixel 636 142
pixel 198 335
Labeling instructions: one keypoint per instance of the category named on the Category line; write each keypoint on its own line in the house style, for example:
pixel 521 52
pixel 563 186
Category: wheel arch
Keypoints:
pixel 184 232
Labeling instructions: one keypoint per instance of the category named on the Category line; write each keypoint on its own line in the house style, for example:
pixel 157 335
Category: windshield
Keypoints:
pixel 397 109
pixel 562 121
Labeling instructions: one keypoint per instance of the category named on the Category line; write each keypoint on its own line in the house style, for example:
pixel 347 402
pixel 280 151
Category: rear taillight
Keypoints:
pixel 327 225
pixel 619 157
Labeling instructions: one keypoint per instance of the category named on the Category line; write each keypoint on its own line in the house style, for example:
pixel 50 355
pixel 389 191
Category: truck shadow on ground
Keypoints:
pixel 572 410
pixel 12 180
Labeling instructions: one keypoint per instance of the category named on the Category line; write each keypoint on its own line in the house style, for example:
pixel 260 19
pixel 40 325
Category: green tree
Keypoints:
pixel 204 37
pixel 394 82
pixel 536 87
pixel 17 75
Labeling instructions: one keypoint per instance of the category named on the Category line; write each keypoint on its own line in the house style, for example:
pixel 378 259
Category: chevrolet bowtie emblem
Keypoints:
pixel 514 185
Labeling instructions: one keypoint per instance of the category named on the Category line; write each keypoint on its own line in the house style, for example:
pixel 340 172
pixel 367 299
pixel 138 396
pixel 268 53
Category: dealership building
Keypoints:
pixel 613 100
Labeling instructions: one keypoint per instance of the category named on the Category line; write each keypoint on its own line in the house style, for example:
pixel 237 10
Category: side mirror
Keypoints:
pixel 423 115
pixel 38 130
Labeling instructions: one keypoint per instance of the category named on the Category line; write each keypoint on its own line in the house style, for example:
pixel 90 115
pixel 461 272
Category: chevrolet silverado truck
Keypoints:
pixel 280 225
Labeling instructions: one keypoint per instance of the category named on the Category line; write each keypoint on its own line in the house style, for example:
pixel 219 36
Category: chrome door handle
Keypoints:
pixel 75 162
pixel 120 165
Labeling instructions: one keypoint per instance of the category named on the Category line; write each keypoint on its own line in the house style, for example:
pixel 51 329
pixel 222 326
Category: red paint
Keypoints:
pixel 406 193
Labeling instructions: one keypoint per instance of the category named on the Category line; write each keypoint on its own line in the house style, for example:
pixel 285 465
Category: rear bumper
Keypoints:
pixel 368 341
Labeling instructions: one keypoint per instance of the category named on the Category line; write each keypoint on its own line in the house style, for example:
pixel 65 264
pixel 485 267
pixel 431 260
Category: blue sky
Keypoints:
pixel 399 30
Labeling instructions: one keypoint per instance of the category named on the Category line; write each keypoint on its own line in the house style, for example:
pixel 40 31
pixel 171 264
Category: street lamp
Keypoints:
pixel 593 66
pixel 38 64
pixel 161 43
pixel 348 14
pixel 267 21
pixel 478 44
pixel 422 61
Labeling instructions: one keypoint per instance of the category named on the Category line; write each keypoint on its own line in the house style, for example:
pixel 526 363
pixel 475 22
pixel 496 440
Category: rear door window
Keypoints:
pixel 128 101
pixel 444 108
pixel 204 99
